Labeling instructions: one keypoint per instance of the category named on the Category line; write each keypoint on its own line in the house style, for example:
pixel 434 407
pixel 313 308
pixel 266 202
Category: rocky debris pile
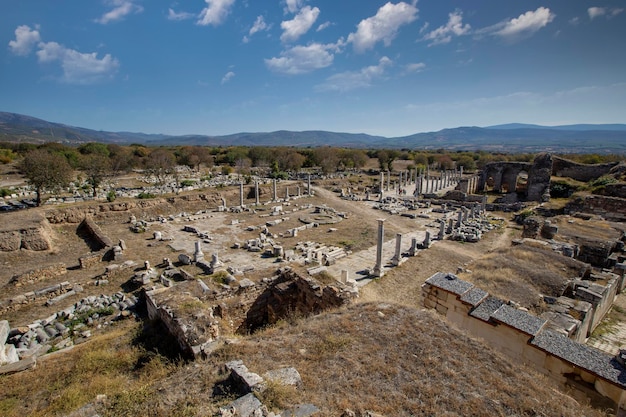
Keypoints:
pixel 249 383
pixel 69 326
pixel 51 294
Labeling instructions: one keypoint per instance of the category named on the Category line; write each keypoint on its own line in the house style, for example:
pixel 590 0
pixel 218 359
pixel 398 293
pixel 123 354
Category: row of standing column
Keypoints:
pixel 257 199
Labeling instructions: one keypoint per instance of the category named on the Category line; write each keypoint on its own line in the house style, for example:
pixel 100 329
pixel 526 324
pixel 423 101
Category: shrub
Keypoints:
pixel 187 183
pixel 111 196
pixel 145 195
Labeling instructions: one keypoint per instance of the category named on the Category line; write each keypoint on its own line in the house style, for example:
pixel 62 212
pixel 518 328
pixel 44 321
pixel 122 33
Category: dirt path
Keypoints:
pixel 402 285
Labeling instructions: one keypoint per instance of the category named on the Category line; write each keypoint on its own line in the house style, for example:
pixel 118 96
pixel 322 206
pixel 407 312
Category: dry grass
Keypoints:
pixel 524 273
pixel 384 358
pixel 110 364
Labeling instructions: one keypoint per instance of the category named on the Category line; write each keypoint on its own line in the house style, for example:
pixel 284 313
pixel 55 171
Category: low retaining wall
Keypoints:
pixel 39 274
pixel 525 338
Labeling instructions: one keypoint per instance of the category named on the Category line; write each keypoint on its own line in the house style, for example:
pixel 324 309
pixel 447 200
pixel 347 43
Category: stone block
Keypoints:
pixel 285 376
pixel 4 331
pixel 18 366
pixel 441 309
pixel 245 406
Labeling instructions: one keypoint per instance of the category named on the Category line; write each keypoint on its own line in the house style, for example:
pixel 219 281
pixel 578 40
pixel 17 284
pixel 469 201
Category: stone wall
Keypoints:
pixel 197 316
pixel 123 209
pixel 95 233
pixel 581 172
pixel 586 372
pixel 610 208
pixel 503 177
pixel 36 237
pixel 39 274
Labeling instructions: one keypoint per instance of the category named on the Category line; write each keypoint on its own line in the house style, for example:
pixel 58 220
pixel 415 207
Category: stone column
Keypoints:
pixel 198 255
pixel 256 193
pixel 397 257
pixel 442 230
pixel 382 185
pixel 241 194
pixel 344 276
pixel 460 219
pixel 309 185
pixel 286 193
pixel 378 268
pixel 413 249
pixel 298 191
pixel 426 243
pixel 274 196
pixel 388 180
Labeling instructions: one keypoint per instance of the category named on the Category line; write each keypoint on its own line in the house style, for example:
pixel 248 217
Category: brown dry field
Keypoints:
pixel 384 354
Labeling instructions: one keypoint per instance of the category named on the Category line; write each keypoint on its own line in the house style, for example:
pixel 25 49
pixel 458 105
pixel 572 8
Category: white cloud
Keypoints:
pixel 25 39
pixel 323 26
pixel 121 9
pixel 351 80
pixel 78 68
pixel 443 34
pixel 173 15
pixel 227 77
pixel 414 67
pixel 603 11
pixel 293 6
pixel 520 27
pixel 300 24
pixel 574 21
pixel 383 26
pixel 303 59
pixel 258 26
pixel 215 13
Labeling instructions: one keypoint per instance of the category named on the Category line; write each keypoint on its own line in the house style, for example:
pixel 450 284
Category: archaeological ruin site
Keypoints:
pixel 497 291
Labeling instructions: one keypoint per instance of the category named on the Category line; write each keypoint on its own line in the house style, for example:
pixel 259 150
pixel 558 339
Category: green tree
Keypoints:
pixel 96 167
pixel 46 171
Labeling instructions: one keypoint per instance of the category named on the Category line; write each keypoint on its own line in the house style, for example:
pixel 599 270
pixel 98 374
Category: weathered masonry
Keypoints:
pixel 198 315
pixel 587 372
pixel 531 180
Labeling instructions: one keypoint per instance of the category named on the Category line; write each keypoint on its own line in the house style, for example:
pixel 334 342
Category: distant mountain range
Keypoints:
pixel 513 137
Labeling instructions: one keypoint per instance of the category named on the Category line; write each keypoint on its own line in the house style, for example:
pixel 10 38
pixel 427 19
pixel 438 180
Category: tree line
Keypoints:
pixel 51 165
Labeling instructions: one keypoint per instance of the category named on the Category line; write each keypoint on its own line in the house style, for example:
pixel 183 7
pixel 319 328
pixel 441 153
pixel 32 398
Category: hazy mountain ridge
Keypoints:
pixel 513 137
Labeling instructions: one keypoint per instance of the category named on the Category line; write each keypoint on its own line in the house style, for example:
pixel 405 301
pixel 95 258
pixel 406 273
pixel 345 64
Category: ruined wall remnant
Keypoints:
pixel 581 172
pixel 39 274
pixel 197 315
pixel 95 233
pixel 31 235
pixel 610 208
pixel 530 180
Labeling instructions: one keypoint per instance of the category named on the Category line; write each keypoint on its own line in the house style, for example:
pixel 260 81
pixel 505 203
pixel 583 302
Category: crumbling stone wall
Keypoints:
pixel 610 208
pixel 241 309
pixel 581 172
pixel 502 176
pixel 36 238
pixel 39 274
pixel 94 231
pixel 122 209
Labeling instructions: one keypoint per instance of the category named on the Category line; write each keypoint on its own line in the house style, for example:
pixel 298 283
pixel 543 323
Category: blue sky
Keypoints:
pixel 384 68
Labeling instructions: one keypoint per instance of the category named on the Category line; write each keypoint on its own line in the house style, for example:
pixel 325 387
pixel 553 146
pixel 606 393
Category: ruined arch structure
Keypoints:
pixel 504 177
